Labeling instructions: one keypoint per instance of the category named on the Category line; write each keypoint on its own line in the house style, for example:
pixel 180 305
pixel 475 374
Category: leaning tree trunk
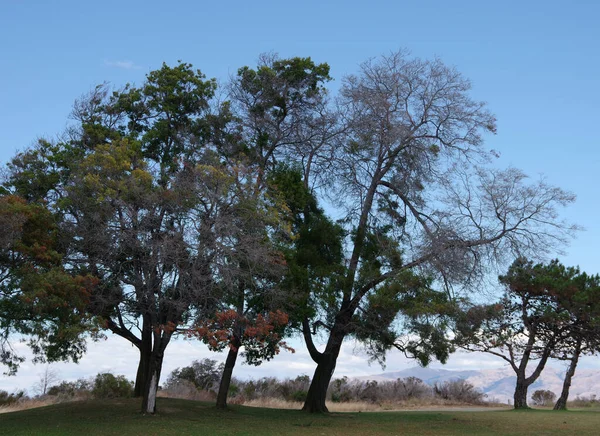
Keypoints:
pixel 317 392
pixel 561 403
pixel 227 373
pixel 520 397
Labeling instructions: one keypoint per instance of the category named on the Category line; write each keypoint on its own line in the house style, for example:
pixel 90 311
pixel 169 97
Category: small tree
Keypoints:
pixel 579 297
pixel 203 374
pixel 526 325
pixel 543 397
pixel 261 337
pixel 46 379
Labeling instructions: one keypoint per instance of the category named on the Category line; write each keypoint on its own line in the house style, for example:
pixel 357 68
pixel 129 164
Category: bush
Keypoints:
pixel 106 385
pixel 543 397
pixel 187 390
pixel 79 388
pixel 459 391
pixel 7 399
pixel 299 396
pixel 583 401
pixel 205 374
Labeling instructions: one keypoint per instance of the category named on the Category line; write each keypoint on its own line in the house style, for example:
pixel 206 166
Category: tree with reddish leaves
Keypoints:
pixel 260 335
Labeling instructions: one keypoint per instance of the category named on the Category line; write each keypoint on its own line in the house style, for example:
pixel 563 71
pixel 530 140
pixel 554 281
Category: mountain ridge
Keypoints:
pixel 499 384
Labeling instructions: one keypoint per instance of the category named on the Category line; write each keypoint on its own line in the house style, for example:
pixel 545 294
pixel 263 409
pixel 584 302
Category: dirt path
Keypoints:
pixel 452 409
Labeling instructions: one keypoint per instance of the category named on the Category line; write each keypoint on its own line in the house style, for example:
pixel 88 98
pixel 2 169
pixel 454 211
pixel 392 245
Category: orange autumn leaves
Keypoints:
pixel 231 329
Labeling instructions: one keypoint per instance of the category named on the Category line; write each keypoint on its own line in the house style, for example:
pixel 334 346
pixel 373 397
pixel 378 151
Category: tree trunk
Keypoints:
pixel 151 389
pixel 561 403
pixel 520 397
pixel 326 361
pixel 141 377
pixel 317 392
pixel 226 376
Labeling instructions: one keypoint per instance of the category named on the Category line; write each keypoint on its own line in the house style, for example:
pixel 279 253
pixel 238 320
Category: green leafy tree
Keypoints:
pixel 148 207
pixel 39 298
pixel 527 325
pixel 579 298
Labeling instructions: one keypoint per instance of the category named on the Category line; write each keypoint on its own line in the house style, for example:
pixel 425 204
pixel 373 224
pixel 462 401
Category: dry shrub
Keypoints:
pixel 30 403
pixel 186 390
pixel 584 401
pixel 270 403
pixel 458 391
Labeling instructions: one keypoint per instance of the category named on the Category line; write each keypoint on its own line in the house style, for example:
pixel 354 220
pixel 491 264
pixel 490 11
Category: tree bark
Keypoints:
pixel 160 342
pixel 317 392
pixel 520 397
pixel 141 378
pixel 326 361
pixel 226 376
pixel 153 378
pixel 561 403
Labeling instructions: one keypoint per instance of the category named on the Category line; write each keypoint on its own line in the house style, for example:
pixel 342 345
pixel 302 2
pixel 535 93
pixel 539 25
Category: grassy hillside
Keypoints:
pixel 182 417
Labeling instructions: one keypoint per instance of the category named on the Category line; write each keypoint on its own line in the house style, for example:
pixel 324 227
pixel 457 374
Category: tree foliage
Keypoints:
pixel 185 208
pixel 148 206
pixel 543 313
pixel 39 298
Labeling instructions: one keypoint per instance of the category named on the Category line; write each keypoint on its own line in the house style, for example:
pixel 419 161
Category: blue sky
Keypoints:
pixel 536 63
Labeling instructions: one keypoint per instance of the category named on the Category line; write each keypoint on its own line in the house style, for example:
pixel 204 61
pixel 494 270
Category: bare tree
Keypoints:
pixel 46 379
pixel 410 175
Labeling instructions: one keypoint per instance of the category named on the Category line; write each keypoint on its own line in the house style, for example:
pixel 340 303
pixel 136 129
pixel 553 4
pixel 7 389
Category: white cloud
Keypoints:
pixel 126 64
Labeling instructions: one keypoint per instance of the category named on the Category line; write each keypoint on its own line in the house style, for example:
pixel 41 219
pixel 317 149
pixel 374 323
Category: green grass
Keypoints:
pixel 181 417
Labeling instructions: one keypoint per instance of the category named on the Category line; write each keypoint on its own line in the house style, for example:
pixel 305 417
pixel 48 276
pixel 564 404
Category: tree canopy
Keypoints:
pixel 175 209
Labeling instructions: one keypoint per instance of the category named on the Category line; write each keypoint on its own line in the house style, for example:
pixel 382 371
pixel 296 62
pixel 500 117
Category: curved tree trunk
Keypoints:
pixel 561 403
pixel 226 376
pixel 317 392
pixel 326 361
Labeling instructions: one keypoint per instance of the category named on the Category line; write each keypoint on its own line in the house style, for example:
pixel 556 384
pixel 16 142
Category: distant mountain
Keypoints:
pixel 428 375
pixel 499 384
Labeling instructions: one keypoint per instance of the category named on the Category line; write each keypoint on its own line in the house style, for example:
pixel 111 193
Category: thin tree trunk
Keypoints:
pixel 226 376
pixel 561 403
pixel 520 397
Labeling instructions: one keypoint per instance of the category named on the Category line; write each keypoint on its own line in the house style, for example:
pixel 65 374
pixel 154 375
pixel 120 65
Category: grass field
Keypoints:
pixel 182 417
